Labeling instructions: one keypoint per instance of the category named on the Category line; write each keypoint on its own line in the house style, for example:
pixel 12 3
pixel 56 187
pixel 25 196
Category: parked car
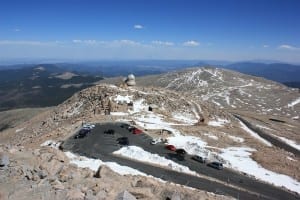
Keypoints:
pixel 199 159
pixel 155 141
pixel 88 126
pixel 123 141
pixel 82 133
pixel 171 147
pixel 124 125
pixel 109 132
pixel 216 165
pixel 130 128
pixel 181 152
pixel 137 131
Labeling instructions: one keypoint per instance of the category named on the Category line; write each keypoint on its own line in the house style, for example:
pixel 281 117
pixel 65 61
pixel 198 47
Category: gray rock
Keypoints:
pixel 57 185
pixel 4 160
pixel 101 195
pixel 175 196
pixel 125 195
pixel 42 174
pixel 90 196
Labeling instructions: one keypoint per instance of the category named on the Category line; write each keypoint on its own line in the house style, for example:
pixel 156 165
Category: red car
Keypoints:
pixel 171 147
pixel 137 131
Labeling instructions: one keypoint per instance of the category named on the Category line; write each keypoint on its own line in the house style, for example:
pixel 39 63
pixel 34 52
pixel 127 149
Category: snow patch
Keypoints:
pixel 296 117
pixel 294 102
pixel 185 118
pixel 290 142
pixel 264 127
pixel 193 145
pixel 211 136
pixel 239 159
pixel 118 113
pixel 139 106
pixel 137 153
pixel 122 99
pixel 218 123
pixel 94 164
pixel 20 129
pixel 51 143
pixel 255 135
pixel 291 159
pixel 236 139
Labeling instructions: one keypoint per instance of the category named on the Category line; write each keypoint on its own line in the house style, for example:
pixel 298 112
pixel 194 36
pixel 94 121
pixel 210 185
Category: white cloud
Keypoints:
pixel 17 30
pixel 191 43
pixel 25 42
pixel 265 46
pixel 162 43
pixel 288 47
pixel 77 41
pixel 127 42
pixel 107 43
pixel 138 26
pixel 85 41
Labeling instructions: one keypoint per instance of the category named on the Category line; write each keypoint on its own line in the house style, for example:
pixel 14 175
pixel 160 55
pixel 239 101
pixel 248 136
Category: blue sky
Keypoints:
pixel 154 29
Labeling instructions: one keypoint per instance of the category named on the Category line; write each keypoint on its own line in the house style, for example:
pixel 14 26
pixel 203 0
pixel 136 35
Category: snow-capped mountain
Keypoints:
pixel 231 90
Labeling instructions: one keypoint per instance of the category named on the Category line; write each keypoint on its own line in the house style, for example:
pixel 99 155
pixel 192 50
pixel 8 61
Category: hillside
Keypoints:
pixel 231 90
pixel 40 86
pixel 181 119
pixel 12 118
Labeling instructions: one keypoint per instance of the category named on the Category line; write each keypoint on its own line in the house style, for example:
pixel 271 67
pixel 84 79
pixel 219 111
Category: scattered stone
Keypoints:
pixel 57 185
pixel 42 174
pixel 36 152
pixel 90 196
pixel 75 194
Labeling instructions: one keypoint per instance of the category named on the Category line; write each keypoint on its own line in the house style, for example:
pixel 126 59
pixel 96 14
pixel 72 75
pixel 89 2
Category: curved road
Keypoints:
pixel 100 145
pixel 275 141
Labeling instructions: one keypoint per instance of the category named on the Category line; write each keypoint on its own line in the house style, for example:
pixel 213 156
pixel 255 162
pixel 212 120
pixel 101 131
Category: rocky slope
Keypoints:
pixel 45 173
pixel 33 169
pixel 231 90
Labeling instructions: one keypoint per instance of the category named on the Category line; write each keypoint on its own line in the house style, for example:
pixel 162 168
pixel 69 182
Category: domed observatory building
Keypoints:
pixel 130 81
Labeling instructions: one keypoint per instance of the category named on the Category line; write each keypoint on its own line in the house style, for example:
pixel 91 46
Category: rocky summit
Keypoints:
pixel 160 138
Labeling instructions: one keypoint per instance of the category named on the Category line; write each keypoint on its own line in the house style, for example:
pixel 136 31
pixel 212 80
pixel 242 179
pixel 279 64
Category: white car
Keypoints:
pixel 88 126
pixel 155 141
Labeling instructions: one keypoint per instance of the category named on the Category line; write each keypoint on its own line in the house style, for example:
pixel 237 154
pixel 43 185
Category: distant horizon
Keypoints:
pixel 37 61
pixel 230 30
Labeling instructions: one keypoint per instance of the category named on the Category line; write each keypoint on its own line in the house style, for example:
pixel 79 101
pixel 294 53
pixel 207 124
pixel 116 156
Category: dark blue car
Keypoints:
pixel 216 165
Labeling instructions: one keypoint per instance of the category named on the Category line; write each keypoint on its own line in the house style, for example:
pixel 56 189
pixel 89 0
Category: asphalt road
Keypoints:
pixel 100 145
pixel 275 141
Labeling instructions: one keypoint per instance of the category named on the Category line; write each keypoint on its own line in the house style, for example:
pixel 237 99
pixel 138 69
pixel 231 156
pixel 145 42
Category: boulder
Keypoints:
pixel 4 160
pixel 53 167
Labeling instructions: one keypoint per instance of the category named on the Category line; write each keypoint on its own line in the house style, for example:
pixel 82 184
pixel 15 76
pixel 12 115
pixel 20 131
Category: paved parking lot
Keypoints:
pixel 97 144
